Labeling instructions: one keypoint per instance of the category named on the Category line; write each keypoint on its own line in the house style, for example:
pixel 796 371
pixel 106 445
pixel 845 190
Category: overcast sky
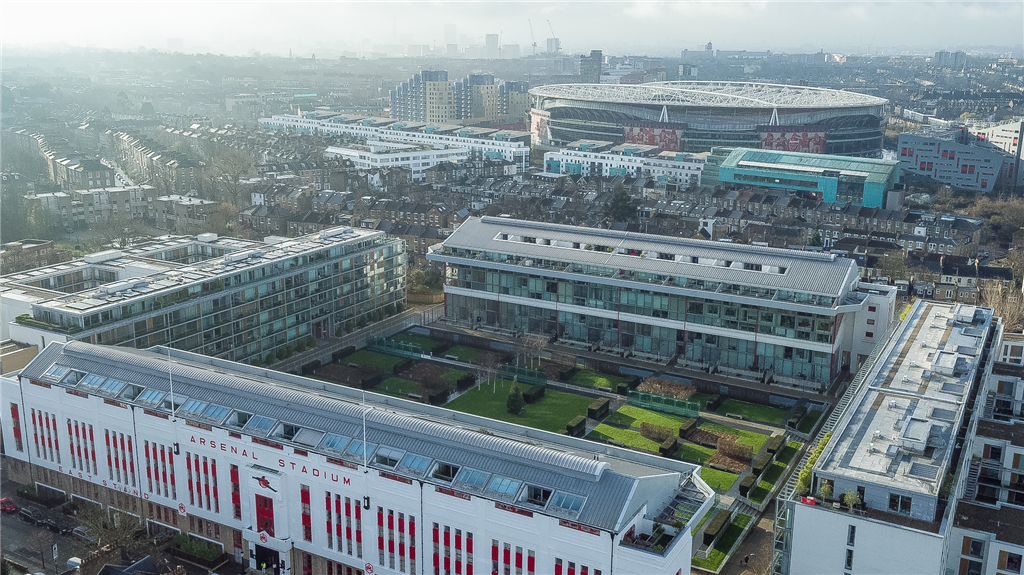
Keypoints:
pixel 652 28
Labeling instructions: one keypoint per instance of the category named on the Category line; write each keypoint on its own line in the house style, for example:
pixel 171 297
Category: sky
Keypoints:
pixel 654 28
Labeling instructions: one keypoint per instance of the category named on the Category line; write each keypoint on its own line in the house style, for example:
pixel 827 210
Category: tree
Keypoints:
pixel 227 173
pixel 816 240
pixel 515 403
pixel 893 265
pixel 825 490
pixel 41 542
pixel 621 207
pixel 122 231
pixel 117 529
pixel 851 499
pixel 1006 303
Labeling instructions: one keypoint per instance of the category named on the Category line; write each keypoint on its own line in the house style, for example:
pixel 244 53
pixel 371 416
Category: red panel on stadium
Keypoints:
pixel 808 139
pixel 667 136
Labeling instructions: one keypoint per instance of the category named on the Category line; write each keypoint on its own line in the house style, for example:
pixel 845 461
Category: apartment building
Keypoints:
pixel 589 158
pixel 225 297
pixel 788 317
pixel 942 159
pixel 286 473
pixel 379 154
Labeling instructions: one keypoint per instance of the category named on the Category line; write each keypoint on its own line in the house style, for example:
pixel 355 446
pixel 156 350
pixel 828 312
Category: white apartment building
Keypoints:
pixel 511 147
pixel 622 161
pixel 380 154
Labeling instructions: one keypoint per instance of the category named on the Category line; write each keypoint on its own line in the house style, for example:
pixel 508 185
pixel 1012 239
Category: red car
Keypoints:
pixel 7 505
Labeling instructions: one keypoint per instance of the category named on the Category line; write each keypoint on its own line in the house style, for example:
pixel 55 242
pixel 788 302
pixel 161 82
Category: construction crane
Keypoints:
pixel 532 37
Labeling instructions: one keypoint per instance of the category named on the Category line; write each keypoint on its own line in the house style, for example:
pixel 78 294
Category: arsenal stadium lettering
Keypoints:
pixel 248 454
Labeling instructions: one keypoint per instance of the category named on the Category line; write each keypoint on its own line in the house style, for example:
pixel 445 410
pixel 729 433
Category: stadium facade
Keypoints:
pixel 696 116
pixel 291 475
pixel 793 318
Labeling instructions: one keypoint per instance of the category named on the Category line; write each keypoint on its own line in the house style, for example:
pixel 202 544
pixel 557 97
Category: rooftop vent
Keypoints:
pixel 104 256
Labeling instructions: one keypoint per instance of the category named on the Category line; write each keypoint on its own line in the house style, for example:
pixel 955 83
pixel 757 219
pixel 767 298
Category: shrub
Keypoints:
pixel 598 409
pixel 301 346
pixel 197 547
pixel 761 463
pixel 310 342
pixel 399 307
pixel 622 389
pixel 775 443
pixel 717 523
pixel 667 388
pixel 746 485
pixel 851 499
pixel 825 491
pixel 577 426
pixel 465 382
pixel 653 432
pixel 668 447
pixel 568 374
pixel 401 366
pixel 269 359
pixel 728 447
pixel 687 426
pixel 533 393
pixel 798 413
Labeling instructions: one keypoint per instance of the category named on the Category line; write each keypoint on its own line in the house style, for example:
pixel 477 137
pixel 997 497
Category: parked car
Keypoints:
pixel 58 523
pixel 7 505
pixel 84 533
pixel 32 514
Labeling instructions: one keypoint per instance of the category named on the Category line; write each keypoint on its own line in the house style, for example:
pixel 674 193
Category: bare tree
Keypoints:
pixel 227 174
pixel 1006 303
pixel 41 542
pixel 122 231
pixel 113 527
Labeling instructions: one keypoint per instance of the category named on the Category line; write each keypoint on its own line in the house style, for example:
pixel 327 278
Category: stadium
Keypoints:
pixel 696 116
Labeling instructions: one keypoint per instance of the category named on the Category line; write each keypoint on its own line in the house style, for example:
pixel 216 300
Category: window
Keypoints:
pixel 1011 563
pixel 446 472
pixel 416 463
pixel 871 322
pixel 872 308
pixel 976 548
pixel 388 457
pixel 849 558
pixel 537 495
pixel 504 485
pixel 974 567
pixel 869 334
pixel 899 504
pixel 851 535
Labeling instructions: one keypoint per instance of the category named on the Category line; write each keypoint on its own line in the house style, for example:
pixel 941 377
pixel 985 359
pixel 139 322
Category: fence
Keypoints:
pixel 399 348
pixel 685 408
pixel 525 375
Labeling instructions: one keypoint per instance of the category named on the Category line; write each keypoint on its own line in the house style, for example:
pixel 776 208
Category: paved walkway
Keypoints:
pixel 758 545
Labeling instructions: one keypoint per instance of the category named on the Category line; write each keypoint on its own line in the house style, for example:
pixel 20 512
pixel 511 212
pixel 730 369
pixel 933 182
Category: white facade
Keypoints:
pixel 683 168
pixel 822 544
pixel 268 485
pixel 375 155
pixel 512 151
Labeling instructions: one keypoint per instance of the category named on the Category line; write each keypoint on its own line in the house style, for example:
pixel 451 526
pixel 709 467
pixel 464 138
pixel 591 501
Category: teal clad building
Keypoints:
pixel 859 181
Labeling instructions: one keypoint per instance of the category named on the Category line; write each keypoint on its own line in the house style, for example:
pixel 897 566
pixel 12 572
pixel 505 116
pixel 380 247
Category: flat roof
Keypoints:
pixel 806 272
pixel 899 430
pixel 870 169
pixel 325 418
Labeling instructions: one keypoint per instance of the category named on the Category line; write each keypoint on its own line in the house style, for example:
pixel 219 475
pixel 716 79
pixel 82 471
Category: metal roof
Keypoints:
pixel 807 272
pixel 870 169
pixel 711 95
pixel 572 466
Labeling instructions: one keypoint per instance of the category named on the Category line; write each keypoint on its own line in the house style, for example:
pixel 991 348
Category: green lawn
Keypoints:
pixel 551 413
pixel 372 359
pixel 762 413
pixel 398 387
pixel 592 379
pixel 767 483
pixel 695 453
pixel 703 398
pixel 720 481
pixel 425 343
pixel 754 440
pixel 786 454
pixel 466 354
pixel 807 421
pixel 453 375
pixel 631 438
pixel 631 416
pixel 724 544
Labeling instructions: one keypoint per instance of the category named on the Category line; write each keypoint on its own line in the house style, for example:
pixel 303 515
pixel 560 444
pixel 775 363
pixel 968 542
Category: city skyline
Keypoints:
pixel 652 28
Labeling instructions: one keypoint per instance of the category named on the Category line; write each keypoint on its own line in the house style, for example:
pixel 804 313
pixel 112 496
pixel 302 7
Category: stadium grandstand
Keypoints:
pixel 696 116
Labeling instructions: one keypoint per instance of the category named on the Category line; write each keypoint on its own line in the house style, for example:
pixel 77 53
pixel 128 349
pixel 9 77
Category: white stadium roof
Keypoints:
pixel 710 94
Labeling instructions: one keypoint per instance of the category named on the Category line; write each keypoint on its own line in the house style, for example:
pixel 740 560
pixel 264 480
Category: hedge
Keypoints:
pixel 401 366
pixel 310 367
pixel 370 381
pixel 653 432
pixel 622 389
pixel 798 413
pixel 442 347
pixel 465 382
pixel 717 523
pixel 343 353
pixel 533 393
pixel 803 484
pixel 568 374
pixel 761 463
pixel 598 409
pixel 577 426
pixel 668 447
pixel 687 427
pixel 747 484
pixel 713 403
pixel 439 398
pixel 775 443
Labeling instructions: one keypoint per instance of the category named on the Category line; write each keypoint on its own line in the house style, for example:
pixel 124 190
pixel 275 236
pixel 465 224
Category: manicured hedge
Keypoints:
pixel 622 389
pixel 687 427
pixel 568 374
pixel 798 413
pixel 761 463
pixel 310 367
pixel 533 393
pixel 803 484
pixel 598 409
pixel 401 366
pixel 747 484
pixel 717 523
pixel 668 447
pixel 775 443
pixel 343 353
pixel 713 403
pixel 577 426
pixel 439 398
pixel 465 382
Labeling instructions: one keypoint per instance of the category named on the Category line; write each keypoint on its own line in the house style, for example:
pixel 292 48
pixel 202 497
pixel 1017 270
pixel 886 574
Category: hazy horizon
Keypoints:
pixel 653 28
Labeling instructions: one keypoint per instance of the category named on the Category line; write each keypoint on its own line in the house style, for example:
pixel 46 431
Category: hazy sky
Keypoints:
pixel 654 28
